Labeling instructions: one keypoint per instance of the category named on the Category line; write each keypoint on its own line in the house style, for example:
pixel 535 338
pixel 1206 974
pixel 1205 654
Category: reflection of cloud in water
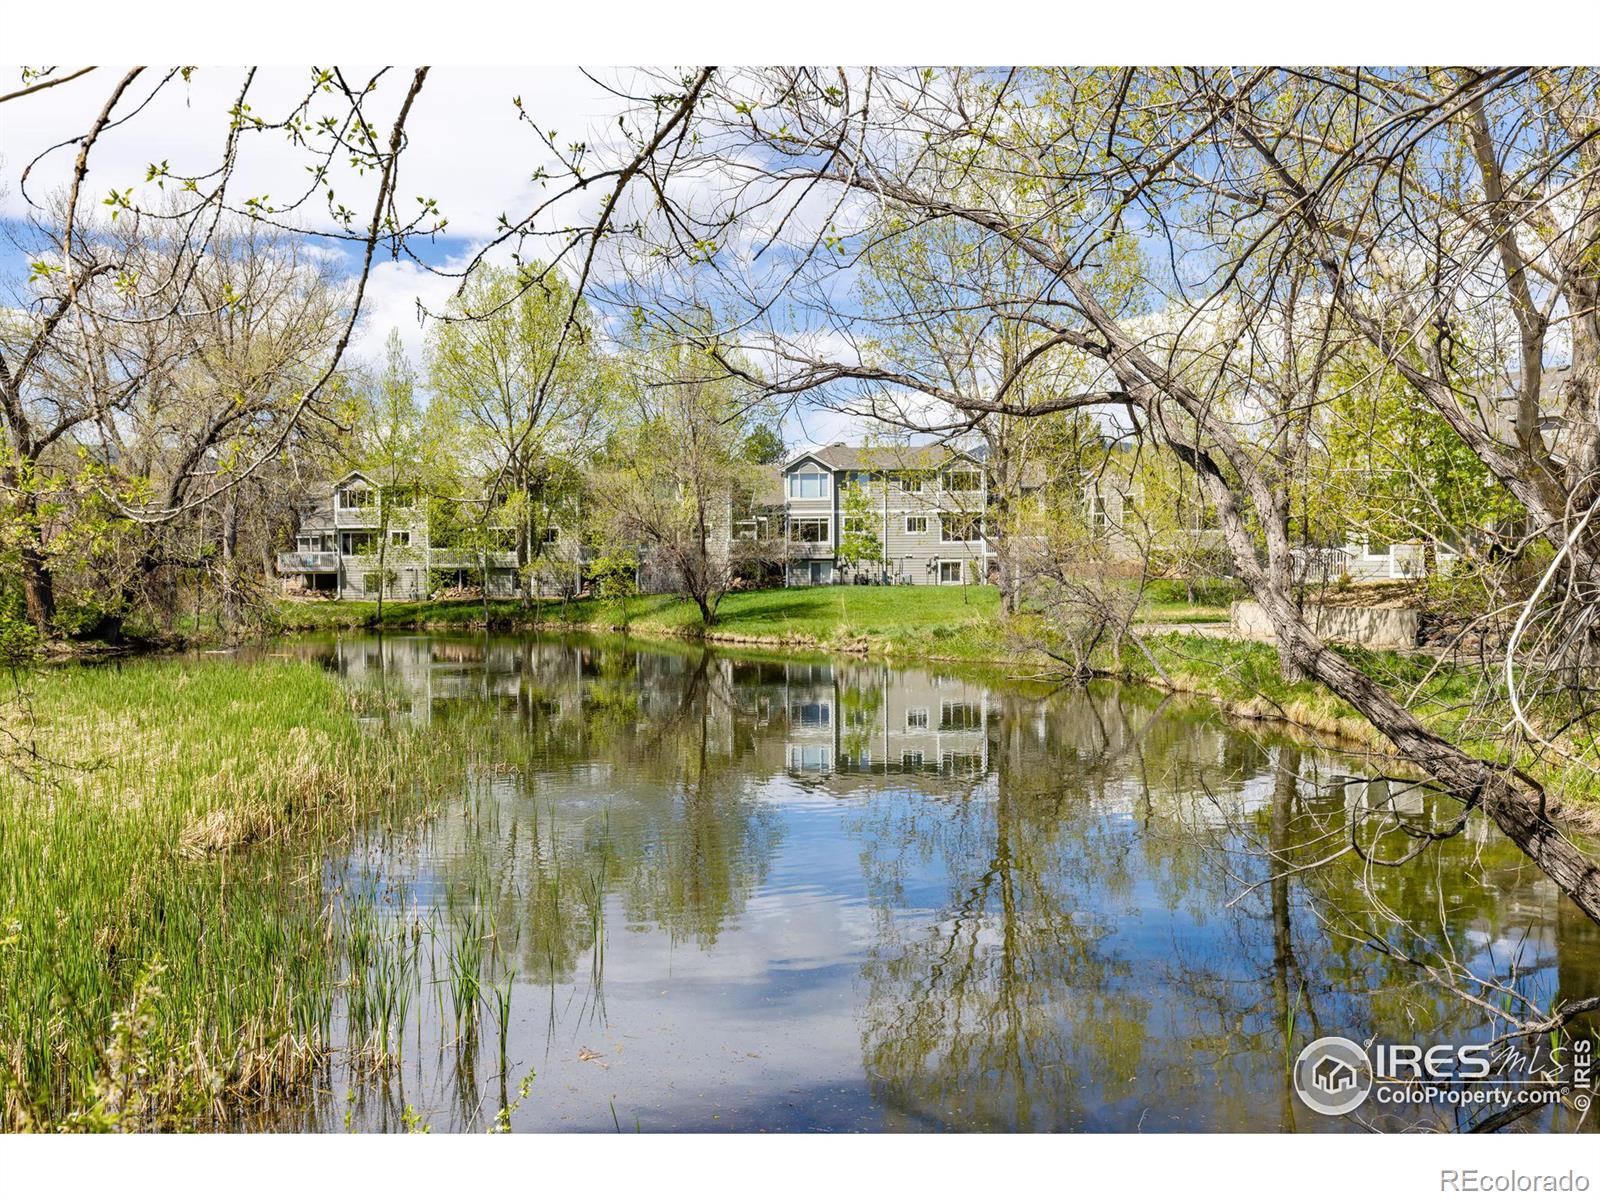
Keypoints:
pixel 793 894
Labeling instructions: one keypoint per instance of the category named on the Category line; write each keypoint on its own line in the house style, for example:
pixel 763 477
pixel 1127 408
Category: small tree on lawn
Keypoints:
pixel 615 573
pixel 859 541
pixel 392 450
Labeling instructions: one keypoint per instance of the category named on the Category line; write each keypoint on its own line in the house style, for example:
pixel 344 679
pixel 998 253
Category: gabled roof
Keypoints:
pixel 843 457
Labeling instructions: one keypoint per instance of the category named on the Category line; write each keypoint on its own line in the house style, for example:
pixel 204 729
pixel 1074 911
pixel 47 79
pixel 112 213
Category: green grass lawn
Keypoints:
pixel 938 621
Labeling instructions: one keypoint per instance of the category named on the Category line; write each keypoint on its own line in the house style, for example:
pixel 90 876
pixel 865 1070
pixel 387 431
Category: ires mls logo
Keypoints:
pixel 1332 1076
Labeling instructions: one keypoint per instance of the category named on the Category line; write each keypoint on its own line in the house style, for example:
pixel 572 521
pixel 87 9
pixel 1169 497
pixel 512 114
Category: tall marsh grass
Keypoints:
pixel 168 950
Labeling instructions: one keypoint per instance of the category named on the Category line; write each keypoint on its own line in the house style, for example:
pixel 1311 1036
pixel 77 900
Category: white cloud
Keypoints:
pixel 466 147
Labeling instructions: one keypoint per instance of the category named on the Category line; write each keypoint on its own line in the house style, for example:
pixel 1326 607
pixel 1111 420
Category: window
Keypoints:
pixel 399 537
pixel 1095 508
pixel 959 716
pixel 949 571
pixel 859 478
pixel 310 542
pixel 810 758
pixel 550 536
pixel 810 532
pixel 960 527
pixel 814 715
pixel 1377 549
pixel 968 765
pixel 911 760
pixel 361 542
pixel 910 482
pixel 963 481
pixel 355 496
pixel 808 485
pixel 916 718
pixel 370 582
pixel 916 524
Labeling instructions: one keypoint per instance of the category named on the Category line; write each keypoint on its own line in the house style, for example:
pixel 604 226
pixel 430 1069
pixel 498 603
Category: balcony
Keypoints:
pixel 804 550
pixel 454 559
pixel 300 561
pixel 357 518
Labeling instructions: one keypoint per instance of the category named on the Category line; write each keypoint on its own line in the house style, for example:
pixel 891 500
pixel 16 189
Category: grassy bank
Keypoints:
pixel 909 622
pixel 1243 679
pixel 159 883
pixel 956 622
pixel 1455 700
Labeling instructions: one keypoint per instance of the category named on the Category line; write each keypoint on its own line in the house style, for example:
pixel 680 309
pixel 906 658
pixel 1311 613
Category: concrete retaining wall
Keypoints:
pixel 1374 628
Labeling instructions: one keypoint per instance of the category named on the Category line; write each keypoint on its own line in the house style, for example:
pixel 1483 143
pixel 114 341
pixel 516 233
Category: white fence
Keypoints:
pixel 1401 560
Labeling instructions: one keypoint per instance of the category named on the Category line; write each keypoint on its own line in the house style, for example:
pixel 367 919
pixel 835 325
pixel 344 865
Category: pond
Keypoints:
pixel 697 890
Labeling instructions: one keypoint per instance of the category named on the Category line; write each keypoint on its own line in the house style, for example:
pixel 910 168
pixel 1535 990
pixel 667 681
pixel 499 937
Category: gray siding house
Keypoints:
pixel 337 550
pixel 924 504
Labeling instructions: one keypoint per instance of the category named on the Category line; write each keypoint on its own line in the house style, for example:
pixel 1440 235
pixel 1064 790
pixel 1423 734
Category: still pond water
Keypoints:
pixel 705 891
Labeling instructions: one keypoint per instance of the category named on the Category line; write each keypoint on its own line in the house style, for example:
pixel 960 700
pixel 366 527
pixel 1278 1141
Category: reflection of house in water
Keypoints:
pixel 868 720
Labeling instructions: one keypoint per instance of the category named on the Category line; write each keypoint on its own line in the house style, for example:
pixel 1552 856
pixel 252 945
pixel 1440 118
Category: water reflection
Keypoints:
pixel 701 891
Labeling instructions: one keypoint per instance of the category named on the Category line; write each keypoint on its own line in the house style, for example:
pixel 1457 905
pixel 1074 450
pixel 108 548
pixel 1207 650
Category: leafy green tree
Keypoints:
pixel 1399 471
pixel 391 448
pixel 516 371
pixel 860 543
pixel 615 574
pixel 763 445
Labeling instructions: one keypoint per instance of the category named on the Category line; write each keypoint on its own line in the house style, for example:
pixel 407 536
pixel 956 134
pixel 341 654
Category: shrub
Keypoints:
pixel 1210 591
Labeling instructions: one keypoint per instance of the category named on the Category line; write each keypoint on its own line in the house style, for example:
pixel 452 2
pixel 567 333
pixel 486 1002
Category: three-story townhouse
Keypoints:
pixel 923 507
pixel 353 541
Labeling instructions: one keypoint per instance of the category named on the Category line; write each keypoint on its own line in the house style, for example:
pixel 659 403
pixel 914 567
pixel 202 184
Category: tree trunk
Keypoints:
pixel 230 547
pixel 38 583
pixel 1519 811
pixel 38 586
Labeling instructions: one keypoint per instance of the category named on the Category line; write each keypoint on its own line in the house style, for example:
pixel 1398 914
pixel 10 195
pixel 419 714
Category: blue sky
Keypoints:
pixel 467 150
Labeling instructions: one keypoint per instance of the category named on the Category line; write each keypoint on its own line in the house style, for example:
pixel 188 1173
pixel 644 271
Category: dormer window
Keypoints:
pixel 355 495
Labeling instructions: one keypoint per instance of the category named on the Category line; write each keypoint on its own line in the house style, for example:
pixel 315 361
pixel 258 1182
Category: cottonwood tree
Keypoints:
pixel 1285 216
pixel 114 266
pixel 676 475
pixel 404 455
pixel 515 363
pixel 951 318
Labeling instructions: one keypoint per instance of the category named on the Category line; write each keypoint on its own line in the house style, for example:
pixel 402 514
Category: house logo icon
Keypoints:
pixel 1332 1076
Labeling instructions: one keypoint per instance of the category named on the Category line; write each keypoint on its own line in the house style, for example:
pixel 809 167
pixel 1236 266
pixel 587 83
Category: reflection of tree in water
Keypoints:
pixel 1362 950
pixel 1013 1005
pixel 1009 1010
pixel 1066 935
pixel 616 773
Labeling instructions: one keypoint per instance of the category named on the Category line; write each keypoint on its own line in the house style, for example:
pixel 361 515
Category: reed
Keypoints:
pixel 162 904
